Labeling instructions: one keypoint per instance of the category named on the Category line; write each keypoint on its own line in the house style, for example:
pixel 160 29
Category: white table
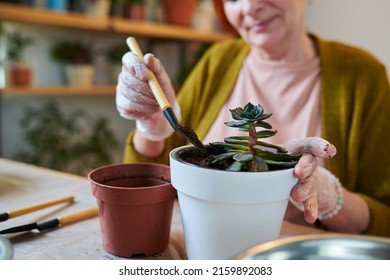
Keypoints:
pixel 23 185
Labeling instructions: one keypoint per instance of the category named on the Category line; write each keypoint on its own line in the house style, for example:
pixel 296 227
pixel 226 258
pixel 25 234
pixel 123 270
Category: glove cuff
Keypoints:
pixel 157 128
pixel 340 197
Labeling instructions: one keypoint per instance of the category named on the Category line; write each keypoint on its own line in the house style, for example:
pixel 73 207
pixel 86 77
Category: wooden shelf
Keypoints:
pixel 109 25
pixel 41 16
pixel 60 90
pixel 164 31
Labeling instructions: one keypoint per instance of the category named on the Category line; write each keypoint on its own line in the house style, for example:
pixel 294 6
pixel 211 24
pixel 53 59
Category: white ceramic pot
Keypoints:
pixel 79 74
pixel 224 212
pixel 98 8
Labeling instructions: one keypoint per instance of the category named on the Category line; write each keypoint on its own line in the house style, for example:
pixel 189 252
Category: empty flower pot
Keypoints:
pixel 135 202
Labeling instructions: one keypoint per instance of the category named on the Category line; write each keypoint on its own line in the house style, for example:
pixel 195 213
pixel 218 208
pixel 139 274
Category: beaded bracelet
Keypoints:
pixel 339 202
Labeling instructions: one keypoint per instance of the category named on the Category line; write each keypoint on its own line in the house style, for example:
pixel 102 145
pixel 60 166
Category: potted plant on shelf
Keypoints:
pixel 179 12
pixel 237 196
pixel 131 9
pixel 20 72
pixel 97 8
pixel 135 9
pixel 77 60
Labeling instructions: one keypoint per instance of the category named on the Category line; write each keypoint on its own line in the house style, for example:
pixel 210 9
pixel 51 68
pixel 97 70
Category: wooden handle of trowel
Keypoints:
pixel 152 80
pixel 85 214
pixel 40 206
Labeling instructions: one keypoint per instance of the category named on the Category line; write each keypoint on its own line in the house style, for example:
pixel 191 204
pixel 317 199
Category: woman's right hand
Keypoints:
pixel 135 100
pixel 318 192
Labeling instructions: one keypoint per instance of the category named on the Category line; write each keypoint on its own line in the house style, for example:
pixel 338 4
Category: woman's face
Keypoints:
pixel 267 24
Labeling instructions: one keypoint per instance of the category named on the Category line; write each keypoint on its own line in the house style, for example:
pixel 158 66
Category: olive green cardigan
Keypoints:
pixel 355 115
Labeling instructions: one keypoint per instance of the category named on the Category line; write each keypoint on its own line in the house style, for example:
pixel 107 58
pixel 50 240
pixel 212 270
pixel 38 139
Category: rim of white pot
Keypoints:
pixel 229 186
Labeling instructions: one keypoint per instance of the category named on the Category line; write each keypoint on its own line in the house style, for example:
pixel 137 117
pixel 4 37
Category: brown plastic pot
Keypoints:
pixel 135 202
pixel 179 12
pixel 20 75
pixel 135 12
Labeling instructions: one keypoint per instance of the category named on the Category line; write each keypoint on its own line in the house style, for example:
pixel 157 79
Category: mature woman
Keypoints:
pixel 315 88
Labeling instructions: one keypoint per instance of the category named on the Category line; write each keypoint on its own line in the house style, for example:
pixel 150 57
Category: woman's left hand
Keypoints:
pixel 318 192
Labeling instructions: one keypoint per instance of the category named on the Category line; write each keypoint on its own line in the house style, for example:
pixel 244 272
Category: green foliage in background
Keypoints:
pixel 68 51
pixel 16 44
pixel 74 142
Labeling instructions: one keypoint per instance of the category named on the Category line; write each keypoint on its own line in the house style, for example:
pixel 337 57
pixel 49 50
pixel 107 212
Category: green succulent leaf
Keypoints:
pixel 236 140
pixel 229 146
pixel 241 137
pixel 272 149
pixel 236 166
pixel 258 165
pixel 236 123
pixel 250 112
pixel 223 156
pixel 245 127
pixel 276 156
pixel 263 124
pixel 266 133
pixel 260 144
pixel 282 164
pixel 263 117
pixel 237 113
pixel 243 157
pixel 264 149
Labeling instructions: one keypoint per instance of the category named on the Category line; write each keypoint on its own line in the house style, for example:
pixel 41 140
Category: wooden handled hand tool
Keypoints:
pixel 163 102
pixel 29 209
pixel 58 222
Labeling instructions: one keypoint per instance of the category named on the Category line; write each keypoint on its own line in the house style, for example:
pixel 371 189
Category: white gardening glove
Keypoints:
pixel 318 192
pixel 135 100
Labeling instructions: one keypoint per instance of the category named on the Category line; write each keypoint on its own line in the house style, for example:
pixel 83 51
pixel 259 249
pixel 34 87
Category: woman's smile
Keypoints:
pixel 262 26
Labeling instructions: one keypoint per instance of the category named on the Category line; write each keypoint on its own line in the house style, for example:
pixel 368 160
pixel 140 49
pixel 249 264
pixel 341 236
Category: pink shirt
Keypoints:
pixel 288 90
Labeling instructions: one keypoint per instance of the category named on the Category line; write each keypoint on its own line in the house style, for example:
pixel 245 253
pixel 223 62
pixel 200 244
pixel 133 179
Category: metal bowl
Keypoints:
pixel 6 250
pixel 321 247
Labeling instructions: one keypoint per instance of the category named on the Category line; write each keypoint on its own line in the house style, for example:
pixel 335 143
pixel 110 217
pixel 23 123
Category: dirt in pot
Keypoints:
pixel 191 136
pixel 193 156
pixel 135 182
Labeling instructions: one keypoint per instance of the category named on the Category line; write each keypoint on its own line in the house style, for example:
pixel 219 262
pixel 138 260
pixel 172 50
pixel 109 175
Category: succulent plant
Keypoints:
pixel 16 44
pixel 248 153
pixel 72 52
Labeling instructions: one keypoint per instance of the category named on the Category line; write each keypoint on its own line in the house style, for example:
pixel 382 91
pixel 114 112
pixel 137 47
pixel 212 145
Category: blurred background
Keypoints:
pixel 53 117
